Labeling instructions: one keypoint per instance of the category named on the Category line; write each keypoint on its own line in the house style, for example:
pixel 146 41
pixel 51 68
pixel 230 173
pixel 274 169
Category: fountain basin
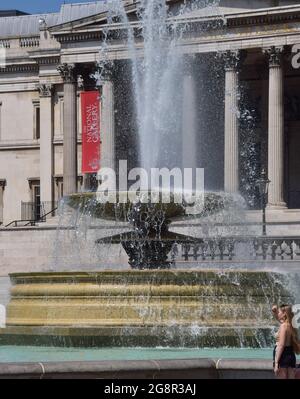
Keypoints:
pixel 151 204
pixel 145 308
pixel 150 213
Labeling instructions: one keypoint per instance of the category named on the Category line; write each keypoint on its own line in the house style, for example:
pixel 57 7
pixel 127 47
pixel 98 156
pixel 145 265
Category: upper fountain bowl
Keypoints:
pixel 122 205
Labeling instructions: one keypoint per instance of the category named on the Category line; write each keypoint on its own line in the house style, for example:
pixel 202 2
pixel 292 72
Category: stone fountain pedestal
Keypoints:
pixel 143 308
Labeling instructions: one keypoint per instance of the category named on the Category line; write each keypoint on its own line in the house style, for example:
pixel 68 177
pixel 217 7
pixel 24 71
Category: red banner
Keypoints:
pixel 90 111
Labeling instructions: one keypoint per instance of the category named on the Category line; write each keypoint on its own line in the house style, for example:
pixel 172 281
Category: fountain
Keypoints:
pixel 151 303
pixel 150 215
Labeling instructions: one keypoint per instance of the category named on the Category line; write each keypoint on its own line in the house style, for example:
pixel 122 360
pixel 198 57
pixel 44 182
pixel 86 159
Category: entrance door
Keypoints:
pixel 37 202
pixel 294 166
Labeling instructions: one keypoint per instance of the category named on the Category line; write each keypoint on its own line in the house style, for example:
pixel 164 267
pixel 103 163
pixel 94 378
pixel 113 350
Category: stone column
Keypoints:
pixel 189 121
pixel 68 74
pixel 231 156
pixel 108 156
pixel 46 144
pixel 276 129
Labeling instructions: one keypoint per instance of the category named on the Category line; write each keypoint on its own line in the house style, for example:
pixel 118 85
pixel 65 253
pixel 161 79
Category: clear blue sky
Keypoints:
pixel 36 6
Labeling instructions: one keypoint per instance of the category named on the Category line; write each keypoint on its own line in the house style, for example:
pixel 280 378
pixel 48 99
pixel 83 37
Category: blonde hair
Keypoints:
pixel 289 315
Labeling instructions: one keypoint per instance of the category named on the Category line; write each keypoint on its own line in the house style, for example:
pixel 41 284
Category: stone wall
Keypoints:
pixel 4 290
pixel 25 250
pixel 38 249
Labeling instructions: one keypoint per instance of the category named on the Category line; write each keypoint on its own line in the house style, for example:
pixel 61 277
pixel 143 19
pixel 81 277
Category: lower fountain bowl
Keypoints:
pixel 144 308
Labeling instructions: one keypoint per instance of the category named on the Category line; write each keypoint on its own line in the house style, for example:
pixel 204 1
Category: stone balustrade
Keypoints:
pixel 231 249
pixel 22 42
pixel 29 41
pixel 5 43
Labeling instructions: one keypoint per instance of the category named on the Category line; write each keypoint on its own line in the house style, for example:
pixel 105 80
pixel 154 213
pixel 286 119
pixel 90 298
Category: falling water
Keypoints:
pixel 158 69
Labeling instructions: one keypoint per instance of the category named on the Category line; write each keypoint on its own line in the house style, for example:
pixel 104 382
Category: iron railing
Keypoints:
pixel 32 213
pixel 17 223
pixel 37 211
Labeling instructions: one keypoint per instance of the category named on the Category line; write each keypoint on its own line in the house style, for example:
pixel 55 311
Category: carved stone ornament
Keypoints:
pixel 233 59
pixel 274 54
pixel 67 72
pixel 45 90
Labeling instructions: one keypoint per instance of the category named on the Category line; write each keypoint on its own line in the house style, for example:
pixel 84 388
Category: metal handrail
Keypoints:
pixel 15 222
pixel 42 218
pixel 35 210
pixel 32 222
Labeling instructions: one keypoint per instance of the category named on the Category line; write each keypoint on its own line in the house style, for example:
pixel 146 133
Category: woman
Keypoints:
pixel 287 343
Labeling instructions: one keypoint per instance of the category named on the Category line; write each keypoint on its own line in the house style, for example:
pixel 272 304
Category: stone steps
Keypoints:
pixel 51 221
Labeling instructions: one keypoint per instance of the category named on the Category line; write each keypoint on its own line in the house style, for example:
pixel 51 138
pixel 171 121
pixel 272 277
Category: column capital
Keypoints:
pixel 2 183
pixel 233 59
pixel 68 72
pixel 45 90
pixel 274 54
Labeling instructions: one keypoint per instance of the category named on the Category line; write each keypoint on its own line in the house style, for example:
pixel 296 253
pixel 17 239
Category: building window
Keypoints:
pixel 59 188
pixel 61 109
pixel 37 123
pixel 59 192
pixel 0 118
pixel 90 182
pixel 33 210
pixel 79 183
pixel 36 195
pixel 59 127
pixel 2 186
pixel 36 119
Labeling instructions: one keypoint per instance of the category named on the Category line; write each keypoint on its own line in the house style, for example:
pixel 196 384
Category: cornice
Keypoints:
pixel 254 17
pixel 9 146
pixel 50 60
pixel 80 36
pixel 85 28
pixel 46 57
pixel 266 19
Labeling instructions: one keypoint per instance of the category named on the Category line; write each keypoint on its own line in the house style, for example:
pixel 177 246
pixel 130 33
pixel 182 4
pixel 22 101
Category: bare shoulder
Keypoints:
pixel 283 328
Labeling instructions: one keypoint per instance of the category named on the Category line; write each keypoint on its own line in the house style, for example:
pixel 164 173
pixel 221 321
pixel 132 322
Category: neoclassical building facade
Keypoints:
pixel 252 113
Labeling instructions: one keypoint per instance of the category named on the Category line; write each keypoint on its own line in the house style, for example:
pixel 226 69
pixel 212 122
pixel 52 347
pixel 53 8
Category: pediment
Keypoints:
pixel 96 22
pixel 90 23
